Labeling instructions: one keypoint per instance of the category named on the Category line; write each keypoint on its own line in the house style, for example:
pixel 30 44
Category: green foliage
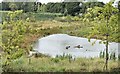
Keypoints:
pixel 25 6
pixel 29 7
pixel 42 8
pixel 105 20
pixel 105 24
pixel 67 8
pixel 64 56
pixel 13 32
pixel 76 18
pixel 56 60
pixel 72 7
pixel 55 7
pixel 5 6
pixel 119 6
pixel 13 6
pixel 68 18
pixel 87 5
pixel 46 16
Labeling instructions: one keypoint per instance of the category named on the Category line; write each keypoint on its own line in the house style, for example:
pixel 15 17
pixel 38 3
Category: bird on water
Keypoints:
pixel 78 46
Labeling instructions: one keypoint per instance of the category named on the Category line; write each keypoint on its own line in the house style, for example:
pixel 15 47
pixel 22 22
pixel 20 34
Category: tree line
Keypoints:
pixel 72 8
pixel 25 6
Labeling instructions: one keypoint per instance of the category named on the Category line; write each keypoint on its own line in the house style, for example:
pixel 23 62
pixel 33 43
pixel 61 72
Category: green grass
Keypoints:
pixel 4 12
pixel 47 16
pixel 42 16
pixel 44 24
pixel 36 16
pixel 46 64
pixel 53 27
pixel 70 25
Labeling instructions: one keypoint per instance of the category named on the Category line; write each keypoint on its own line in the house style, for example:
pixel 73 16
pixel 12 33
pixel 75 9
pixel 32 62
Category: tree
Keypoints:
pixel 25 6
pixel 43 8
pixel 72 7
pixel 55 7
pixel 13 32
pixel 39 6
pixel 29 7
pixel 13 6
pixel 119 6
pixel 105 24
pixel 49 7
pixel 0 6
pixel 5 6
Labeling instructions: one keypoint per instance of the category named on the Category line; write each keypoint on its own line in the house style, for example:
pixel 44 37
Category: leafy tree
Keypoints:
pixel 119 6
pixel 28 6
pixel 87 5
pixel 13 32
pixel 49 7
pixel 55 7
pixel 39 6
pixel 13 6
pixel 72 7
pixel 25 6
pixel 5 6
pixel 105 24
pixel 0 6
pixel 43 8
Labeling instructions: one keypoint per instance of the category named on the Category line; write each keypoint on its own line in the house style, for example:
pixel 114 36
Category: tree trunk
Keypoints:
pixel 107 35
pixel 106 62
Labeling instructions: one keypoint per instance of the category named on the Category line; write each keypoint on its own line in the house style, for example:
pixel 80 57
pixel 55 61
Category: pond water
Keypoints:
pixel 57 44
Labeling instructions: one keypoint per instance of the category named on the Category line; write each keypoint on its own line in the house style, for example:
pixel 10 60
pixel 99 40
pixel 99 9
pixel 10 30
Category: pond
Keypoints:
pixel 59 44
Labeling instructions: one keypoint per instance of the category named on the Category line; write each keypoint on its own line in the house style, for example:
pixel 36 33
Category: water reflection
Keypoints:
pixel 56 45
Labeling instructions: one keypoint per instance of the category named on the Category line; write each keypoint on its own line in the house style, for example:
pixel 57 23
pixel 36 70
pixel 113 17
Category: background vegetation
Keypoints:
pixel 25 22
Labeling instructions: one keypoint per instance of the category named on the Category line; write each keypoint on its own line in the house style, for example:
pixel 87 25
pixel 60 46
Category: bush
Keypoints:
pixel 13 32
pixel 76 18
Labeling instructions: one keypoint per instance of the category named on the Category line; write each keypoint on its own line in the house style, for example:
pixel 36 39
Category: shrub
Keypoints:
pixel 76 18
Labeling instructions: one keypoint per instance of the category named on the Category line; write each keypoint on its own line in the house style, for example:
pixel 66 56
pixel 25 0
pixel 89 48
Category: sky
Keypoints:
pixel 105 1
pixel 46 1
pixel 1 1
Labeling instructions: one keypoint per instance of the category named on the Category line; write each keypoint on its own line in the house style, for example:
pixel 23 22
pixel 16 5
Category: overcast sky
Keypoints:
pixel 0 1
pixel 46 1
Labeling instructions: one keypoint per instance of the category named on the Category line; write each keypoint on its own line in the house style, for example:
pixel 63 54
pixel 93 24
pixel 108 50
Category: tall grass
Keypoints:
pixel 45 64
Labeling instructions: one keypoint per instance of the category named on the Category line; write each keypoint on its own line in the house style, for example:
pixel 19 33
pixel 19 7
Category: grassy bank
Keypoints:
pixel 45 28
pixel 72 25
pixel 46 64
